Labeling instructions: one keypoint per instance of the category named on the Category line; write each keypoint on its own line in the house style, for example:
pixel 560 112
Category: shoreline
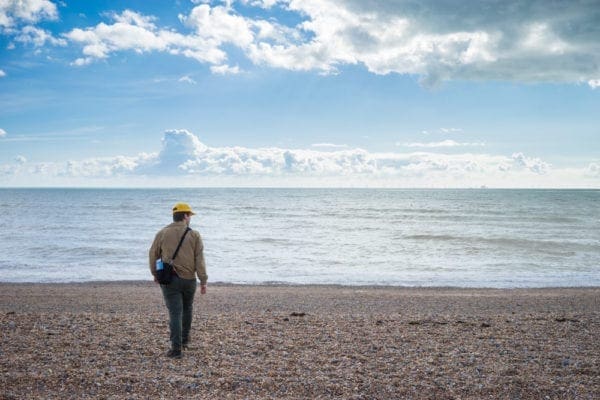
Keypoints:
pixel 137 282
pixel 108 340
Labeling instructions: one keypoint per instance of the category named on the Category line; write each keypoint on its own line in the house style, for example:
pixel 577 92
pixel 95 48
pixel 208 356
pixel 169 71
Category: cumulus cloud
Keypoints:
pixel 178 147
pixel 210 29
pixel 262 3
pixel 2 73
pixel 533 164
pixel 102 167
pixel 219 24
pixel 593 170
pixel 38 37
pixel 80 62
pixel 18 19
pixel 594 83
pixel 530 41
pixel 184 160
pixel 225 70
pixel 136 32
pixel 13 12
pixel 2 133
pixel 444 143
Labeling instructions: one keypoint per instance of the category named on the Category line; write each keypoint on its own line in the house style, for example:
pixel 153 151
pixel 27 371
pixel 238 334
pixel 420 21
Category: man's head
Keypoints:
pixel 181 211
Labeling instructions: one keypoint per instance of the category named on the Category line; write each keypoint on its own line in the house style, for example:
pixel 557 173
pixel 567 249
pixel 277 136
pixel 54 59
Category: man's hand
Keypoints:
pixel 202 289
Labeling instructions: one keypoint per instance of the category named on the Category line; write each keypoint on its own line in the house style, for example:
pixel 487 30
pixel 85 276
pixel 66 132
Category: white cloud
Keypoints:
pixel 29 11
pixel 38 37
pixel 178 147
pixel 20 160
pixel 444 143
pixel 80 62
pixel 133 31
pixel 225 70
pixel 262 3
pixel 508 40
pixel 533 164
pixel 275 32
pixel 18 19
pixel 187 79
pixel 219 24
pixel 593 170
pixel 125 34
pixel 129 17
pixel 540 38
pixel 2 133
pixel 396 39
pixel 185 160
pixel 97 167
pixel 2 74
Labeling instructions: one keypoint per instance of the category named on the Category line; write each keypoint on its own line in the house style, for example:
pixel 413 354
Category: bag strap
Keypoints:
pixel 180 243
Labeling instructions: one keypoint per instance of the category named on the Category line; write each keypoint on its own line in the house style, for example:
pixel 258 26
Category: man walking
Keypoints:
pixel 189 263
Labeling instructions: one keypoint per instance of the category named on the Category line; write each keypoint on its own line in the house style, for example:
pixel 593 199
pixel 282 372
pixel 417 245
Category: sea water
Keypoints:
pixel 465 238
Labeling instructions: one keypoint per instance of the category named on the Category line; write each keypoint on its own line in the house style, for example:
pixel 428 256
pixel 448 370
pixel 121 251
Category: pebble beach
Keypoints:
pixel 108 340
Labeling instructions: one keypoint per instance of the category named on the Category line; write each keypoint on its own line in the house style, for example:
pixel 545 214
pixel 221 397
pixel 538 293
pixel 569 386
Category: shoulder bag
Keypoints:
pixel 165 275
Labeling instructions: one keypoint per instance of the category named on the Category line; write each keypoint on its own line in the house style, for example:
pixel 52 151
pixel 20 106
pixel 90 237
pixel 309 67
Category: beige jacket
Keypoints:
pixel 190 259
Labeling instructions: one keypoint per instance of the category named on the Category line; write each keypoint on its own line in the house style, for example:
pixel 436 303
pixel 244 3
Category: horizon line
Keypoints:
pixel 294 188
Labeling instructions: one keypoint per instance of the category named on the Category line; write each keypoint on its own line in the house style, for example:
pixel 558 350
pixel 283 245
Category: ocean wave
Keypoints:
pixel 269 240
pixel 432 237
pixel 532 244
pixel 77 251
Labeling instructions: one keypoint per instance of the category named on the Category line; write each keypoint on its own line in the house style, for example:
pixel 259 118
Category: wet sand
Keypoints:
pixel 108 340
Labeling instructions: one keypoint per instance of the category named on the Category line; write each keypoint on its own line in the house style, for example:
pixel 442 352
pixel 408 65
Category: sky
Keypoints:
pixel 278 93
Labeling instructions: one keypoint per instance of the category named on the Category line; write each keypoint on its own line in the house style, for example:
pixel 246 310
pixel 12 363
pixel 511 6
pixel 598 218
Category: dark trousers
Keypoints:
pixel 179 298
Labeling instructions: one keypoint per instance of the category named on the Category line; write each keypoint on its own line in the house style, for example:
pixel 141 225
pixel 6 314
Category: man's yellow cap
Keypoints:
pixel 183 207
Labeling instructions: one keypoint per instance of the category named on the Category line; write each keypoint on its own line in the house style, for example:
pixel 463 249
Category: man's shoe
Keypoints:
pixel 174 353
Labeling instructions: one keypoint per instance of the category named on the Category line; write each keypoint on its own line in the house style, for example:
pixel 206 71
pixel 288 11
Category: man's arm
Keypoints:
pixel 201 264
pixel 153 255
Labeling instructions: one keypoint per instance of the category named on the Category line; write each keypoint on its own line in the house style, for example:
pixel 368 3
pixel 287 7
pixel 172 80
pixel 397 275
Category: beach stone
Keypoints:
pixel 297 314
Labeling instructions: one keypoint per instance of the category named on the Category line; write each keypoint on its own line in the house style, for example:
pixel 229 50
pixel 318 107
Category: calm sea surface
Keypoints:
pixel 467 238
